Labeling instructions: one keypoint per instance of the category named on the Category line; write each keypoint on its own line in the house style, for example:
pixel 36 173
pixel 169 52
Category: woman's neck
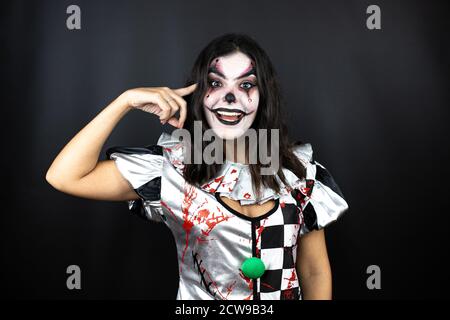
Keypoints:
pixel 235 151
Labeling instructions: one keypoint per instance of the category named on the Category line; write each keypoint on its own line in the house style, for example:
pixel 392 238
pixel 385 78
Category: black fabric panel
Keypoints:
pixel 310 217
pixel 324 176
pixel 151 190
pixel 150 149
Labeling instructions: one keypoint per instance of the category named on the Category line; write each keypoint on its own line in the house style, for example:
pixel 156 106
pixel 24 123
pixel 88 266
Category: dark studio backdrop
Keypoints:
pixel 373 104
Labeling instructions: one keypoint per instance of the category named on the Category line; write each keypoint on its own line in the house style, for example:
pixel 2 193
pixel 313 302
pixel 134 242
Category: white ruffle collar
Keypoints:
pixel 234 179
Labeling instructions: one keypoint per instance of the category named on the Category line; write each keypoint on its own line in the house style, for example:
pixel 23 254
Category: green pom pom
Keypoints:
pixel 253 268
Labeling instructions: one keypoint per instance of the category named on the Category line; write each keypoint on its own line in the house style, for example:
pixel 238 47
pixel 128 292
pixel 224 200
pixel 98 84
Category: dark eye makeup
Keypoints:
pixel 246 85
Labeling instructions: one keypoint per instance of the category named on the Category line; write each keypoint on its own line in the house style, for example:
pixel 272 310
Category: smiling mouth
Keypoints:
pixel 229 117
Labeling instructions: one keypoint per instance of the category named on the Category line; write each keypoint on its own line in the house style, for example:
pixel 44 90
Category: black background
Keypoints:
pixel 373 104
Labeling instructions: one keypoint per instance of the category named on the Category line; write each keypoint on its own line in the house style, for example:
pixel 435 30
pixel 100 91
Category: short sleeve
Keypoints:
pixel 322 200
pixel 141 167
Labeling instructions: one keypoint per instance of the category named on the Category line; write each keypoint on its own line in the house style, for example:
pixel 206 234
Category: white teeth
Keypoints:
pixel 229 114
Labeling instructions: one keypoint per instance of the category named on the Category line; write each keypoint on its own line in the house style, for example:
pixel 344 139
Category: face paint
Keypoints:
pixel 231 101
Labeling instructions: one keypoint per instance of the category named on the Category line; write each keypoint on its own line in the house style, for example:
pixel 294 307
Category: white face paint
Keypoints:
pixel 231 101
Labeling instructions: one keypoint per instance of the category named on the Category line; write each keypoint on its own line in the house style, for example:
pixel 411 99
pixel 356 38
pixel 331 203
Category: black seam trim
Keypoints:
pixel 255 281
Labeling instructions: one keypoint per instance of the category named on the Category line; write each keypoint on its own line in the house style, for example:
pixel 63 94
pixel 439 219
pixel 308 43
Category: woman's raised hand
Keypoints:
pixel 161 101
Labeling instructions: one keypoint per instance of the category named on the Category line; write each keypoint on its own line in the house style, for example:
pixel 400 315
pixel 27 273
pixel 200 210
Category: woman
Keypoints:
pixel 240 234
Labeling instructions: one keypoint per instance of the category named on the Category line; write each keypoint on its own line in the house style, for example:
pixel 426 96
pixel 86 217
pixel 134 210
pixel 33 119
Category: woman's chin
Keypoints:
pixel 230 133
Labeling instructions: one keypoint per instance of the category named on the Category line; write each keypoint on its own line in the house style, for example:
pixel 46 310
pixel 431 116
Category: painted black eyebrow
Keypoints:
pixel 214 70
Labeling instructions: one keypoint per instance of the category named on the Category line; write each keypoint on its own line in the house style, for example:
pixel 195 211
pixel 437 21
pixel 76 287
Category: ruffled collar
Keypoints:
pixel 234 179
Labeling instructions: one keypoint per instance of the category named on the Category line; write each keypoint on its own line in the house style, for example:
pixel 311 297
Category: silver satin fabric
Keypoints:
pixel 211 241
pixel 220 241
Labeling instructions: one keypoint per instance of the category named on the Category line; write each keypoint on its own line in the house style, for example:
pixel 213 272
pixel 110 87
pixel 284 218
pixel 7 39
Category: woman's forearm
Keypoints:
pixel 317 286
pixel 81 154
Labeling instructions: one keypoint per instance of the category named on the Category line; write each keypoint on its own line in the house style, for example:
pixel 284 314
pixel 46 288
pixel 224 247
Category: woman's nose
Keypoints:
pixel 230 97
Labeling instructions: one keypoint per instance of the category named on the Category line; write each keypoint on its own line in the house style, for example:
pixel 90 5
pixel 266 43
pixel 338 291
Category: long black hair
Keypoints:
pixel 269 114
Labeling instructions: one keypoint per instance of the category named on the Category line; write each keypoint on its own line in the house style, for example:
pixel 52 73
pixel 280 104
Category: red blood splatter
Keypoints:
pixel 216 182
pixel 189 195
pixel 202 240
pixel 168 208
pixel 214 221
pixel 249 283
pixel 259 231
pixel 305 190
pixel 206 185
pixel 291 279
pixel 198 216
pixel 267 285
pixel 288 294
pixel 230 288
pixel 308 188
pixel 202 214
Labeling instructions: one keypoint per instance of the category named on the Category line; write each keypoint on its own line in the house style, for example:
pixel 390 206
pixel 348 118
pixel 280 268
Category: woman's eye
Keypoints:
pixel 247 85
pixel 214 83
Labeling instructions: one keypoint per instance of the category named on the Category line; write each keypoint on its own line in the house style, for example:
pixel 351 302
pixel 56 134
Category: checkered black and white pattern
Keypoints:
pixel 277 248
pixel 318 202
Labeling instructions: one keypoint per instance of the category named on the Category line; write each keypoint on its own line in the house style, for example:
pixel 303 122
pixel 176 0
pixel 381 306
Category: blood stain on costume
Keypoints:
pixel 214 221
pixel 189 195
pixel 267 285
pixel 202 240
pixel 168 208
pixel 308 188
pixel 249 283
pixel 199 216
pixel 208 185
pixel 288 294
pixel 259 231
pixel 230 288
pixel 291 279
